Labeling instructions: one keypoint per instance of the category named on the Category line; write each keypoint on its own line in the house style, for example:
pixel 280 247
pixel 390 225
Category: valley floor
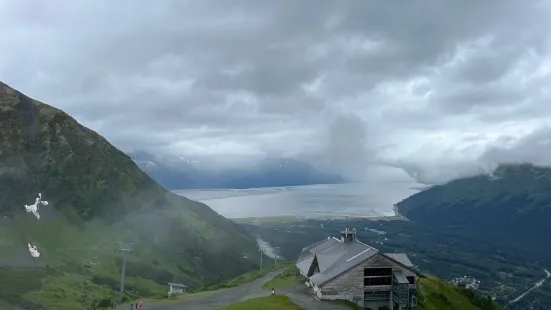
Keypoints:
pixel 448 253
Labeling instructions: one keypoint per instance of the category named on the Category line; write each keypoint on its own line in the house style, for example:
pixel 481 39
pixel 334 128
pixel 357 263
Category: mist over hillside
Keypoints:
pixel 67 197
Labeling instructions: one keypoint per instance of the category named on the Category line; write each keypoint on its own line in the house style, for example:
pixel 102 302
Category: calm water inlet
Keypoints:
pixel 305 201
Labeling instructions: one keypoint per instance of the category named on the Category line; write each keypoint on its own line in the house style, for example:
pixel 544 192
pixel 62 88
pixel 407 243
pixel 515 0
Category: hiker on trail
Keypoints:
pixel 141 303
pixel 273 291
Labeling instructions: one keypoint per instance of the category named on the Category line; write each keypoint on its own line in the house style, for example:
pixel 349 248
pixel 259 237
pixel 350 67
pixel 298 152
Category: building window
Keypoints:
pixel 377 295
pixel 375 281
pixel 377 272
pixel 411 280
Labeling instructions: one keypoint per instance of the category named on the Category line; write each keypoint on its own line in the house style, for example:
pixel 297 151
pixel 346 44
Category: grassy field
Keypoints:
pixel 67 284
pixel 434 294
pixel 275 302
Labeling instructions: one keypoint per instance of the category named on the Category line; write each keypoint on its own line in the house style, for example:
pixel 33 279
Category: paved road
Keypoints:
pixel 301 295
pixel 298 293
pixel 219 298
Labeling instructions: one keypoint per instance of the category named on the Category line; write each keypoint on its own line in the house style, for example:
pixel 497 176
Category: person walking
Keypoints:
pixel 141 303
pixel 131 305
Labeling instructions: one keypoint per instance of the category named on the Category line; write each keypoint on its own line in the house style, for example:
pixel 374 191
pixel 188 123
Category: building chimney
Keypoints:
pixel 348 235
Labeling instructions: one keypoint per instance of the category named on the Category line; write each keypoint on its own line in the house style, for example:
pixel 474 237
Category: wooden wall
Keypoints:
pixel 353 280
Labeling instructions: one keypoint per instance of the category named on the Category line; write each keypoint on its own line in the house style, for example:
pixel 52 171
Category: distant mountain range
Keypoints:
pixel 181 173
pixel 511 207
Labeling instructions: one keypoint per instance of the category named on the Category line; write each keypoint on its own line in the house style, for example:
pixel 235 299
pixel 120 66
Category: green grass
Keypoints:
pixel 15 283
pixel 69 292
pixel 435 294
pixel 289 277
pixel 66 247
pixel 275 302
pixel 6 306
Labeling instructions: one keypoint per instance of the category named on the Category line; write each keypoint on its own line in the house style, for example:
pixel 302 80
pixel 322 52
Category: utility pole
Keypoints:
pixel 123 248
pixel 261 254
pixel 276 250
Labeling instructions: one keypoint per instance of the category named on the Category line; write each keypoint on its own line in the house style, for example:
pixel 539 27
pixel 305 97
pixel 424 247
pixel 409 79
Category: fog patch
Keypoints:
pixel 267 248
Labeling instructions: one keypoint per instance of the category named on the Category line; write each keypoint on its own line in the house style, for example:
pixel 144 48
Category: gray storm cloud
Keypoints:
pixel 360 84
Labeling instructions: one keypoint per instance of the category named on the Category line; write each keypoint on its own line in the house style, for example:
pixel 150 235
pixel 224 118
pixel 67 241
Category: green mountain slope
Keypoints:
pixel 97 196
pixel 435 294
pixel 512 207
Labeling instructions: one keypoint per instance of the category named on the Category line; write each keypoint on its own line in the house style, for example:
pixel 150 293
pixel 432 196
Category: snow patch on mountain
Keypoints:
pixel 33 250
pixel 34 207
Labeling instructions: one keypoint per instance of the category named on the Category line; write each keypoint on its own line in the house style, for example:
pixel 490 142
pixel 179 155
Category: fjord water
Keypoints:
pixel 326 200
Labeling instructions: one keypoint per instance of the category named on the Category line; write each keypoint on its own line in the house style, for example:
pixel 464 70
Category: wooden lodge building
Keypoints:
pixel 348 269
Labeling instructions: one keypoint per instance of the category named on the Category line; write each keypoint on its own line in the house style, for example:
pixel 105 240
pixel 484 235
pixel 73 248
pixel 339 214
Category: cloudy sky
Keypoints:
pixel 436 89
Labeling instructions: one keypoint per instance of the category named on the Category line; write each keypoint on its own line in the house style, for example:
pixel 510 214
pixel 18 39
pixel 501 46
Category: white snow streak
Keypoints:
pixel 33 250
pixel 34 207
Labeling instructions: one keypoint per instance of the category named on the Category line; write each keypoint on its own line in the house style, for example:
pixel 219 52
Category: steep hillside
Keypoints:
pixel 512 207
pixel 432 294
pixel 435 294
pixel 97 197
pixel 175 173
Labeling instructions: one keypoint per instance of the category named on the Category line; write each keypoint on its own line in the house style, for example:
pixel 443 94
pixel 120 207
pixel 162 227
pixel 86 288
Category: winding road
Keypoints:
pixel 538 284
pixel 220 298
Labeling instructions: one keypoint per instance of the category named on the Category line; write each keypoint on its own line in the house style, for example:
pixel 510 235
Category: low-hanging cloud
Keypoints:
pixel 432 88
pixel 534 148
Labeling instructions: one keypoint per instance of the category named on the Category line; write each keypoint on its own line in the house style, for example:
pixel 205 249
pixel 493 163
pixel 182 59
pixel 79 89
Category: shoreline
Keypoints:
pixel 292 218
pixel 274 218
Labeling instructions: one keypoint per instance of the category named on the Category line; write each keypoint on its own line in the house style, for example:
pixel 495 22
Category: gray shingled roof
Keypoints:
pixel 338 257
pixel 177 285
pixel 304 264
pixel 400 257
pixel 306 251
pixel 335 257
